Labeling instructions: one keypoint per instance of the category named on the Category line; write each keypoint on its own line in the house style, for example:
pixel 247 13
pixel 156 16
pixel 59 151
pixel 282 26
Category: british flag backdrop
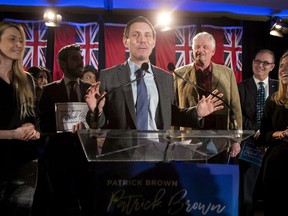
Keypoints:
pixel 228 47
pixel 36 42
pixel 86 35
pixel 172 46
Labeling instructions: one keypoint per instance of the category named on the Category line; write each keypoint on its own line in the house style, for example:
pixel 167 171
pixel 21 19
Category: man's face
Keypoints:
pixel 203 51
pixel 262 65
pixel 140 42
pixel 73 67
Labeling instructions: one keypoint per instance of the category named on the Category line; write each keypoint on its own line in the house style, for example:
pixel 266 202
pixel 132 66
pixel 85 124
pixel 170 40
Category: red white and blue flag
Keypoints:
pixel 172 46
pixel 88 38
pixel 176 47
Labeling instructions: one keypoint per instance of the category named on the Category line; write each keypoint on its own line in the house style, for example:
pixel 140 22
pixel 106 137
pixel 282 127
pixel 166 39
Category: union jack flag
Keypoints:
pixel 88 38
pixel 36 42
pixel 233 50
pixel 184 37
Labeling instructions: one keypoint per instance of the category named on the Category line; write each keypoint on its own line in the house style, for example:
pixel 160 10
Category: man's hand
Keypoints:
pixel 93 95
pixel 209 105
pixel 78 126
pixel 235 149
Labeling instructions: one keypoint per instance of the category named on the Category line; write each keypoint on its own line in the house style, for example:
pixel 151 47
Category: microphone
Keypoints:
pixel 144 68
pixel 233 122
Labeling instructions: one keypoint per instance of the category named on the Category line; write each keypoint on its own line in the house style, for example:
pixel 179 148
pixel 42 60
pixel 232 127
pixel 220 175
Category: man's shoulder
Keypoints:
pixel 185 67
pixel 274 81
pixel 54 83
pixel 159 70
pixel 221 67
pixel 115 68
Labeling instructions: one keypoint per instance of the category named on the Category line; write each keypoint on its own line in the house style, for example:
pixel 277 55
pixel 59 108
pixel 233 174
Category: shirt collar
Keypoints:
pixel 134 67
pixel 265 81
pixel 208 69
pixel 67 80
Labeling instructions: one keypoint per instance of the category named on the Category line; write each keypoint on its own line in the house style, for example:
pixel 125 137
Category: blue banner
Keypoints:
pixel 176 188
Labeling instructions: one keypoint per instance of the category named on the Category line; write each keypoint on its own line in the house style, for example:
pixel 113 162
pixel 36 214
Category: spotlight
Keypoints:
pixel 52 19
pixel 165 21
pixel 278 27
pixel 276 33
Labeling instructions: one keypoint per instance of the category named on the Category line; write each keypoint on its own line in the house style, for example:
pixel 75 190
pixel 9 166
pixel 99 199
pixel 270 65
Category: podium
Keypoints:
pixel 161 172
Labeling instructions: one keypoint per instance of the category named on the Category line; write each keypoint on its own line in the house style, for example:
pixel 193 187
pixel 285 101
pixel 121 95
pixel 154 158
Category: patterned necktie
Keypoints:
pixel 141 103
pixel 260 103
pixel 73 94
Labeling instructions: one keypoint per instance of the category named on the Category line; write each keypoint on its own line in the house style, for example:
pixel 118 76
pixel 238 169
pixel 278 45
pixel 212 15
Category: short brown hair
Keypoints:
pixel 135 20
pixel 63 53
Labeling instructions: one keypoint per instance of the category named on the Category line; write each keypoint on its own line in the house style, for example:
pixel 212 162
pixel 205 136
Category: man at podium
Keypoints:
pixel 113 102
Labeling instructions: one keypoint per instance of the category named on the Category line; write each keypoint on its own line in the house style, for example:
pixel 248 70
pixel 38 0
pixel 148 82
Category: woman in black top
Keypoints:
pixel 274 135
pixel 17 125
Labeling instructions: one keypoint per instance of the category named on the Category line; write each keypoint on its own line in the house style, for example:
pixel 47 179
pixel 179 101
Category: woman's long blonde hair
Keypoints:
pixel 280 97
pixel 23 91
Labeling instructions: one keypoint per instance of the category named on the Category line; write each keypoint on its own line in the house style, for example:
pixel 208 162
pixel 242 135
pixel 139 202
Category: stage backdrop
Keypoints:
pixel 173 46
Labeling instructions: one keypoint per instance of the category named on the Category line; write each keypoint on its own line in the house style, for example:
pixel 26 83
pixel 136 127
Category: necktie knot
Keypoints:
pixel 138 73
pixel 261 84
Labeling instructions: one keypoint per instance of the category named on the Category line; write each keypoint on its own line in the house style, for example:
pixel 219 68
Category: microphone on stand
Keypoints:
pixel 144 68
pixel 233 122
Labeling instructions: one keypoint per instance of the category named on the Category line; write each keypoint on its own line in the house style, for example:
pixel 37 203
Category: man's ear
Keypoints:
pixel 124 40
pixel 62 64
pixel 213 52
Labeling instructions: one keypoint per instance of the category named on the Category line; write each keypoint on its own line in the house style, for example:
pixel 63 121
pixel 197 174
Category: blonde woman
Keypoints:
pixel 17 126
pixel 274 135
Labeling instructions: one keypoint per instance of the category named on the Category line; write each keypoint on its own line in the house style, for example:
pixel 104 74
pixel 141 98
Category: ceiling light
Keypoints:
pixel 51 18
pixel 278 27
pixel 276 33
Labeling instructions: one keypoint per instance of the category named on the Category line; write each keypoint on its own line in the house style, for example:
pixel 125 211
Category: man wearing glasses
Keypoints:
pixel 250 176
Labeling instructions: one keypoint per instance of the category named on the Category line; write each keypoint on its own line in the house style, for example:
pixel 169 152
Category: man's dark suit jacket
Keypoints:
pixel 119 109
pixel 247 91
pixel 62 156
pixel 249 173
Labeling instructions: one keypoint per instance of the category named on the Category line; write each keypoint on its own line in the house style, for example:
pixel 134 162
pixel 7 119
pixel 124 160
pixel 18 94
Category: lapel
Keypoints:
pixel 273 87
pixel 62 92
pixel 163 84
pixel 216 75
pixel 83 88
pixel 251 92
pixel 123 74
pixel 160 80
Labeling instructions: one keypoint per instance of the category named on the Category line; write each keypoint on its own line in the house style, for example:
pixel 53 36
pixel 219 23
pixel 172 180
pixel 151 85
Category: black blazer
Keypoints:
pixel 119 109
pixel 248 91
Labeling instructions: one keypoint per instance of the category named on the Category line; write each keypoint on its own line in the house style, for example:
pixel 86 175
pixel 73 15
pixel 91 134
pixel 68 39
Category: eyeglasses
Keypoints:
pixel 264 63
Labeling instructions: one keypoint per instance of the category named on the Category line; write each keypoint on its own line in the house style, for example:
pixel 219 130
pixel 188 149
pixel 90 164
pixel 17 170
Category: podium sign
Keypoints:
pixel 161 173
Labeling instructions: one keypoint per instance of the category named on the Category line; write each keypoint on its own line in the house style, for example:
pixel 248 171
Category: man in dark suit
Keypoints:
pixel 61 159
pixel 119 111
pixel 262 65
